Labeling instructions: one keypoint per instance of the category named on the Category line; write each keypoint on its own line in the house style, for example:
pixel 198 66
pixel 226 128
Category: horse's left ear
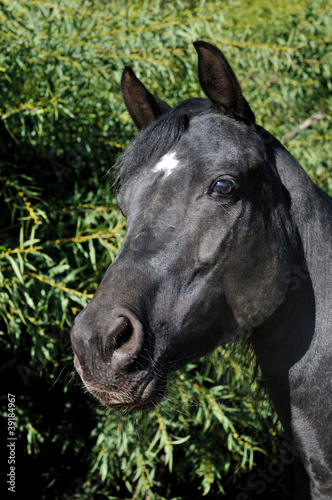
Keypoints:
pixel 219 82
pixel 143 107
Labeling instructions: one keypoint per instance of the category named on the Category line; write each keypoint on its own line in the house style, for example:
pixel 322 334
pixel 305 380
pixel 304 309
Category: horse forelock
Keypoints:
pixel 159 138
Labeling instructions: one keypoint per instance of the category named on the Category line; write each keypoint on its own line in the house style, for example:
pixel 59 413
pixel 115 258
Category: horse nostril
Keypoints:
pixel 122 340
pixel 124 333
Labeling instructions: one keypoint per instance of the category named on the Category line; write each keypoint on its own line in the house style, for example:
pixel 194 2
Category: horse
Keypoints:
pixel 227 236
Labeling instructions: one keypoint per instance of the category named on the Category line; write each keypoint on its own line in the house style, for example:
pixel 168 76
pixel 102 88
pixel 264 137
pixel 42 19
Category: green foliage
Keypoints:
pixel 198 434
pixel 62 126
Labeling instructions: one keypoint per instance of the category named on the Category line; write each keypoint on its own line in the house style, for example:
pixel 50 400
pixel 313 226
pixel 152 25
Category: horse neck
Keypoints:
pixel 311 212
pixel 298 336
pixel 283 339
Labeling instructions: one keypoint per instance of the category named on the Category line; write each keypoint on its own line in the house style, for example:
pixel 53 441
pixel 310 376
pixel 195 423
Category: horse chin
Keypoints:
pixel 141 395
pixel 144 399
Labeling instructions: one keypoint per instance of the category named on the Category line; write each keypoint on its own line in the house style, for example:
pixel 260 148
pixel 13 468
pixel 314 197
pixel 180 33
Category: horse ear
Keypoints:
pixel 219 82
pixel 143 107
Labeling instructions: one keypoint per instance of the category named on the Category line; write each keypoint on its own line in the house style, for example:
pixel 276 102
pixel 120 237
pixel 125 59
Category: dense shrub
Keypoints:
pixel 62 125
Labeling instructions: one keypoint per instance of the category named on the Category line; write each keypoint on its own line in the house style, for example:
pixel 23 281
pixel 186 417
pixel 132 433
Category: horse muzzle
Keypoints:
pixel 114 362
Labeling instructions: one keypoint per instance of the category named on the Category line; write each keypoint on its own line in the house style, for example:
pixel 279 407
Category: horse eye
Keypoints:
pixel 223 187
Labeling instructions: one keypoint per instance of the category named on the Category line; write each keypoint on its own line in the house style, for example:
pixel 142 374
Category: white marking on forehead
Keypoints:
pixel 167 164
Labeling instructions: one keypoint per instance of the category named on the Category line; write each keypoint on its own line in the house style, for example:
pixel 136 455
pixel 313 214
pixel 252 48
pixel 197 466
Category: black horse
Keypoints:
pixel 226 235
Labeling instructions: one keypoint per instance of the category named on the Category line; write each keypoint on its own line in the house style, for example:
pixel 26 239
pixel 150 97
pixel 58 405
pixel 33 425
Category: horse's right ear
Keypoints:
pixel 143 107
pixel 219 82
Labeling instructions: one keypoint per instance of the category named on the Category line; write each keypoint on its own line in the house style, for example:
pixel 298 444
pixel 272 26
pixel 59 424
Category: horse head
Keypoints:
pixel 207 251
